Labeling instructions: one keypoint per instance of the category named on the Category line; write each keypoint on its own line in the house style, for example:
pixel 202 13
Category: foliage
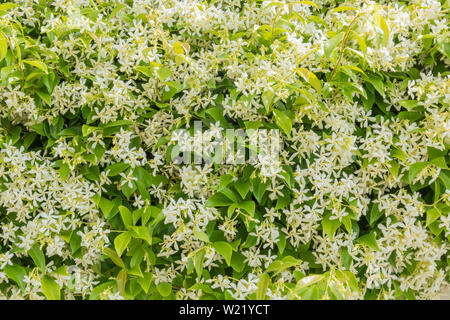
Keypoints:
pixel 92 205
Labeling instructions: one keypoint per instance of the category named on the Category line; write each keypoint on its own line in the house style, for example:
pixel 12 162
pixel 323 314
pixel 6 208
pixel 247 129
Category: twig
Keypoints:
pixel 341 53
pixel 274 21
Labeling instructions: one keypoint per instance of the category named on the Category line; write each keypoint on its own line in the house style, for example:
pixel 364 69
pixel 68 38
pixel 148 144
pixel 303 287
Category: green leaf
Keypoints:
pixel 7 6
pixel 64 171
pixel 217 115
pixel 118 123
pixel 330 226
pixel 283 121
pixel 380 22
pixel 163 73
pixel 116 168
pixel 146 70
pixel 311 78
pixel 74 131
pixel 3 47
pixel 49 80
pixel 225 180
pixel 281 244
pixel 259 188
pixel 224 249
pixel 106 206
pixel 343 8
pixel 242 187
pixel 38 64
pixel 308 281
pixel 439 162
pixel 248 206
pixel 150 211
pixel 61 271
pixel 435 229
pixel 38 256
pixel 138 255
pixel 348 278
pixel 398 153
pixel 198 261
pixel 16 273
pixel 409 104
pixel 280 265
pixel 231 209
pixel 50 288
pixel 28 139
pixel 437 190
pixel 44 96
pixel 332 43
pixel 116 10
pixel 434 153
pixel 282 202
pixel 312 293
pixel 411 116
pixel 346 258
pixel 444 46
pixel 347 222
pixel 354 68
pixel 263 284
pixel 114 257
pixel 432 215
pixel 445 178
pixel 121 242
pixel 87 130
pixel 375 214
pixel 145 281
pixel 174 88
pixel 361 43
pixel 146 179
pixel 415 169
pixel 100 288
pixel 238 262
pixel 267 98
pixel 376 82
pixel 127 218
pixel 369 240
pixel 121 281
pixel 276 265
pixel 309 3
pixel 141 232
pixel 230 194
pixel 218 200
pixel 200 235
pixel 290 261
pixel 334 291
pixel 75 242
pixel 164 288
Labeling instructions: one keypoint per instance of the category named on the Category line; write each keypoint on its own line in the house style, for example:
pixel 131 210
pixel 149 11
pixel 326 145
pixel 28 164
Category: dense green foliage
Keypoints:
pixel 355 205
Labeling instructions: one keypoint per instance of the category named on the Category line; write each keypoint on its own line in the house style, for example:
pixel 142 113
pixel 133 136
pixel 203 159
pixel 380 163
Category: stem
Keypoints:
pixel 273 22
pixel 341 53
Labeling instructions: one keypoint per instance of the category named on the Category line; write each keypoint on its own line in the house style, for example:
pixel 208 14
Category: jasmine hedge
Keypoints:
pixel 355 204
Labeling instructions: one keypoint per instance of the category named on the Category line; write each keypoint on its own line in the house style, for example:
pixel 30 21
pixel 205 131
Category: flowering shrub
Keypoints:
pixel 96 96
